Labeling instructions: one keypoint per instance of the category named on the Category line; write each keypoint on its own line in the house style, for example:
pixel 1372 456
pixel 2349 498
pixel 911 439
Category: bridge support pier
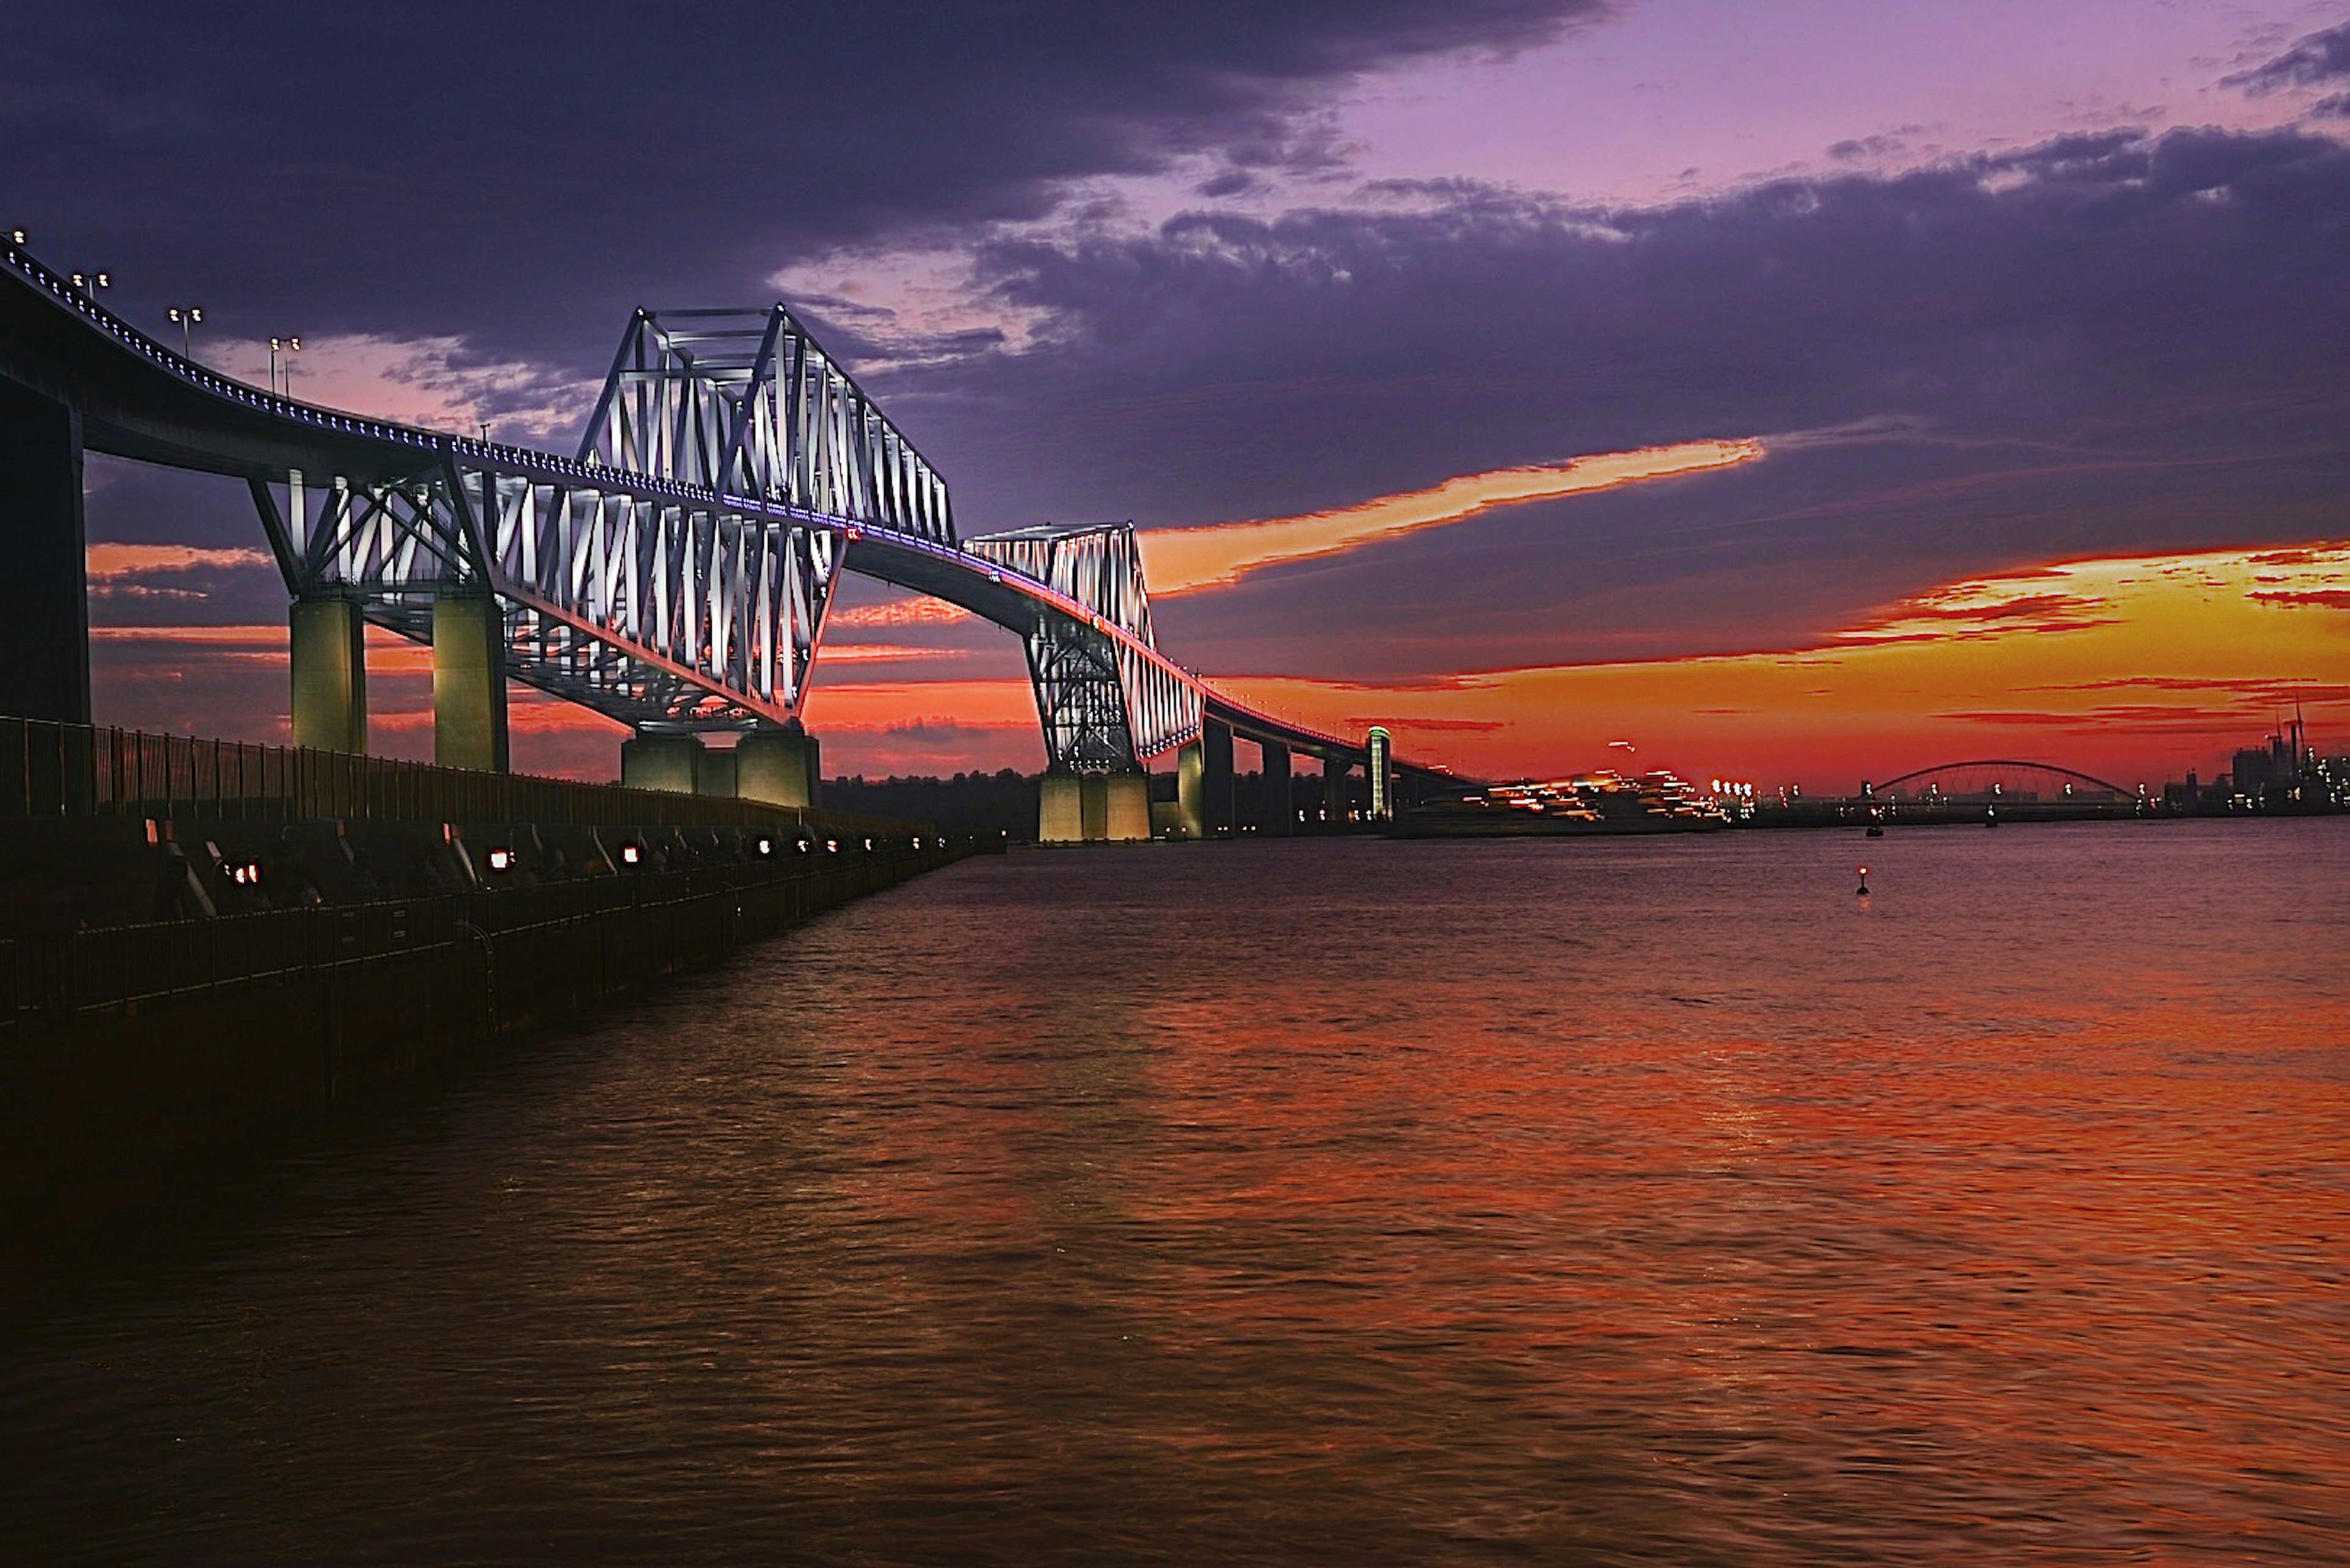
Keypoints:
pixel 1334 791
pixel 1216 778
pixel 1060 807
pixel 1191 789
pixel 1278 813
pixel 718 773
pixel 468 682
pixel 656 761
pixel 328 658
pixel 44 594
pixel 1126 806
pixel 780 766
pixel 1093 809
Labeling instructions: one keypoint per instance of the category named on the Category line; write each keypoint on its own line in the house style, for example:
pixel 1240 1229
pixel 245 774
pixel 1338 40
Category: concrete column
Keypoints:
pixel 1334 790
pixel 1216 779
pixel 779 766
pixel 328 658
pixel 43 595
pixel 660 761
pixel 1280 816
pixel 468 682
pixel 1191 789
pixel 1060 808
pixel 717 773
pixel 1127 814
pixel 1093 803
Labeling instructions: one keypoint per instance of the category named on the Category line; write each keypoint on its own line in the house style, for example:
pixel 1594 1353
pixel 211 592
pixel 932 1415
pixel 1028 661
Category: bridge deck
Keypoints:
pixel 140 399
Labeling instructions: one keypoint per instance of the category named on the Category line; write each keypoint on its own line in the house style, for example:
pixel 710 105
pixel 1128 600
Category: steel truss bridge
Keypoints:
pixel 673 574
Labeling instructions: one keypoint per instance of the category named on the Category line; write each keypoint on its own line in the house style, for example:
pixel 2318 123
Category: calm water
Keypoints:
pixel 1644 1201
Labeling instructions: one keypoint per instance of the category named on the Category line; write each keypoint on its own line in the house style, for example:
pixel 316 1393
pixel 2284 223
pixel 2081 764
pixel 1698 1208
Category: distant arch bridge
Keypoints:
pixel 1990 778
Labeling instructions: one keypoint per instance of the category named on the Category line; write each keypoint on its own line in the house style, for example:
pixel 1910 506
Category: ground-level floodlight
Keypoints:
pixel 502 860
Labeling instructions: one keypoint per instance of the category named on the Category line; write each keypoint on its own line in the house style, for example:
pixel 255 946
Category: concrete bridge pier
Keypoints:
pixel 1277 817
pixel 469 681
pixel 780 766
pixel 44 594
pixel 1126 806
pixel 1277 810
pixel 1203 783
pixel 329 659
pixel 1334 790
pixel 1191 789
pixel 718 773
pixel 1216 778
pixel 1060 807
pixel 655 760
pixel 1093 809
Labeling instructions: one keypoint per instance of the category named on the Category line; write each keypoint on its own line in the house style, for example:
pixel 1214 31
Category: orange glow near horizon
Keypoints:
pixel 2134 669
pixel 2145 667
pixel 1187 560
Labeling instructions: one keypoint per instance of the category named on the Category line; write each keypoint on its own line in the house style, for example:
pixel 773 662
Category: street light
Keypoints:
pixel 89 283
pixel 283 349
pixel 186 317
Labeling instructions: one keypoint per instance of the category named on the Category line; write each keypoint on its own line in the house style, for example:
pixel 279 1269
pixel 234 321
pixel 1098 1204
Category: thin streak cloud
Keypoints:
pixel 1187 560
pixel 109 561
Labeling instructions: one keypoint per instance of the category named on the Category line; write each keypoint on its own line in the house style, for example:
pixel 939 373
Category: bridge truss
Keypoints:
pixel 1103 704
pixel 674 573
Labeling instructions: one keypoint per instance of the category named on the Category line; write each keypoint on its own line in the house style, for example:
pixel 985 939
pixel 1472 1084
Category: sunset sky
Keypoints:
pixel 1799 390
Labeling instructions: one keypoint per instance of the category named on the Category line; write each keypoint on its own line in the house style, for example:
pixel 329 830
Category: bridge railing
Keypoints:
pixel 50 769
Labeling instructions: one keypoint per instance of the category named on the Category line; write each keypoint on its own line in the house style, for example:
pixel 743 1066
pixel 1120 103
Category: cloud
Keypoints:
pixel 2104 344
pixel 1187 560
pixel 117 571
pixel 2174 665
pixel 898 613
pixel 107 562
pixel 882 652
pixel 2330 598
pixel 438 382
pixel 2319 60
pixel 1980 609
pixel 504 201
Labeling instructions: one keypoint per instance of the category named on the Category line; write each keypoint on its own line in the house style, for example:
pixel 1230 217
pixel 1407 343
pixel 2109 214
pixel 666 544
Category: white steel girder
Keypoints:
pixel 1102 706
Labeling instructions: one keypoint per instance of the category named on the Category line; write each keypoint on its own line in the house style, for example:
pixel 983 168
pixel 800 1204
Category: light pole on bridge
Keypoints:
pixel 186 317
pixel 282 350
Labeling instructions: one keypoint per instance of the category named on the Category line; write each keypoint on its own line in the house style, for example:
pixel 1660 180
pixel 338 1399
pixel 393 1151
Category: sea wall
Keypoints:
pixel 135 1056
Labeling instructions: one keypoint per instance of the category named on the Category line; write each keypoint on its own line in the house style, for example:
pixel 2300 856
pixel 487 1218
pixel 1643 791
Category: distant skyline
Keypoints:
pixel 1803 392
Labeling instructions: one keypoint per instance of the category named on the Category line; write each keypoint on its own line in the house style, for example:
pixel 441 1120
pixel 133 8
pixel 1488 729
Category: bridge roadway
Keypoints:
pixel 131 396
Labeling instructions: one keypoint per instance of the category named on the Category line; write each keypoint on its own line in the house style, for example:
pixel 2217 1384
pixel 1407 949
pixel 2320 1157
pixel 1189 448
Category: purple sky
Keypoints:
pixel 1996 283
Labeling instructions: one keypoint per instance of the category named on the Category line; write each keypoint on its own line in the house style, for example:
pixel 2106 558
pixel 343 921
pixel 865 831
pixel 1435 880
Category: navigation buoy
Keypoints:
pixel 1863 889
